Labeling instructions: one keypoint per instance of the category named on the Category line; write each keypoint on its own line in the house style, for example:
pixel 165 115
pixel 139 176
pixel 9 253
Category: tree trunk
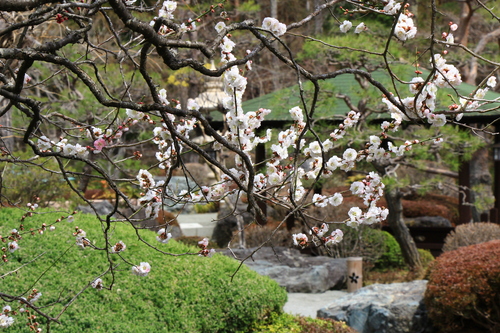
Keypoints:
pixel 462 34
pixel 400 230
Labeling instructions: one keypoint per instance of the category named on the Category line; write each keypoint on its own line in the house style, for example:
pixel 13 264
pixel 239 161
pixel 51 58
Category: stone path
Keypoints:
pixel 197 224
pixel 309 304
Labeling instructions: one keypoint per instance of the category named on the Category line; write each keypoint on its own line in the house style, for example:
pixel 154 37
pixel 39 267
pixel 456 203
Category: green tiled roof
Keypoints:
pixel 330 107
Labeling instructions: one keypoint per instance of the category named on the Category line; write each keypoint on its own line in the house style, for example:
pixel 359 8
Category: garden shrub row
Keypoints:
pixel 464 288
pixel 287 323
pixel 180 294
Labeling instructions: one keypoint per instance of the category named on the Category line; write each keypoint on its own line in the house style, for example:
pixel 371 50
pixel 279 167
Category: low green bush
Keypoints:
pixel 463 291
pixel 180 294
pixel 287 323
pixel 392 256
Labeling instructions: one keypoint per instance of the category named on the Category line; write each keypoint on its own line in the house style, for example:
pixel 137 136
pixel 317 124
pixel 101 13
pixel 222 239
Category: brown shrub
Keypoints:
pixel 464 288
pixel 470 234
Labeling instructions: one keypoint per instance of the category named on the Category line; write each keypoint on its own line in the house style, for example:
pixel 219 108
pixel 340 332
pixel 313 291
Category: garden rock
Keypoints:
pixel 297 272
pixel 428 221
pixel 382 308
pixel 102 207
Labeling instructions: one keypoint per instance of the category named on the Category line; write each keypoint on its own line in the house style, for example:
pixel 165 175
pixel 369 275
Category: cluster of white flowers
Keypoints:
pixel 5 319
pixel 422 104
pixel 475 102
pixel 152 198
pixel 405 29
pixel 392 7
pixel 163 236
pixel 319 236
pixel 81 238
pixel 300 239
pixel 347 25
pixel 273 25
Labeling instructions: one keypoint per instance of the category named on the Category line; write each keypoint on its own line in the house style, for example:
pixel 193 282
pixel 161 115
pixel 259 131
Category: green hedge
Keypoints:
pixel 180 294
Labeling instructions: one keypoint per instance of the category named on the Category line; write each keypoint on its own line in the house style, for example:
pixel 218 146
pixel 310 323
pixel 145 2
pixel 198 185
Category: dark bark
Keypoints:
pixel 22 5
pixel 400 230
pixel 396 222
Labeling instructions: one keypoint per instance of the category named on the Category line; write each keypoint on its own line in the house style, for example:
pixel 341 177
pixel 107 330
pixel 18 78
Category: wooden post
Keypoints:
pixel 354 274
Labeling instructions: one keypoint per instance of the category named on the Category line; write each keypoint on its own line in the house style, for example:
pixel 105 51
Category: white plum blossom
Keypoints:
pixel 273 25
pixel 336 199
pixel 219 27
pixel 296 113
pixel 44 143
pixel 446 74
pixel 97 284
pixel 492 82
pixel 35 295
pixel 350 154
pixel 300 239
pixel 142 269
pixel 345 26
pixel 163 236
pixel 437 120
pixel 405 29
pixel 319 231
pixel 227 45
pixel 320 200
pixel 133 114
pixel 357 188
pixel 450 39
pixel 335 237
pixel 145 179
pixel 360 28
pixel 162 95
pixel 5 321
pixel 12 246
pixel 118 247
pixel 192 105
pixel 392 7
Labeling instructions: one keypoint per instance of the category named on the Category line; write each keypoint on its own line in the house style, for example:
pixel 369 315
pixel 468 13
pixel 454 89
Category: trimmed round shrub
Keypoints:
pixel 181 293
pixel 464 288
pixel 470 234
pixel 392 257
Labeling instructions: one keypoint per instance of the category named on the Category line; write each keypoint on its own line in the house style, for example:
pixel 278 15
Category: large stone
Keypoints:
pixel 296 272
pixel 102 207
pixel 382 308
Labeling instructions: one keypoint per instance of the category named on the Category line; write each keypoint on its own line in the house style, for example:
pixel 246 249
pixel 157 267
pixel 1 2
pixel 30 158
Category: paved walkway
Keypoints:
pixel 197 224
pixel 309 304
